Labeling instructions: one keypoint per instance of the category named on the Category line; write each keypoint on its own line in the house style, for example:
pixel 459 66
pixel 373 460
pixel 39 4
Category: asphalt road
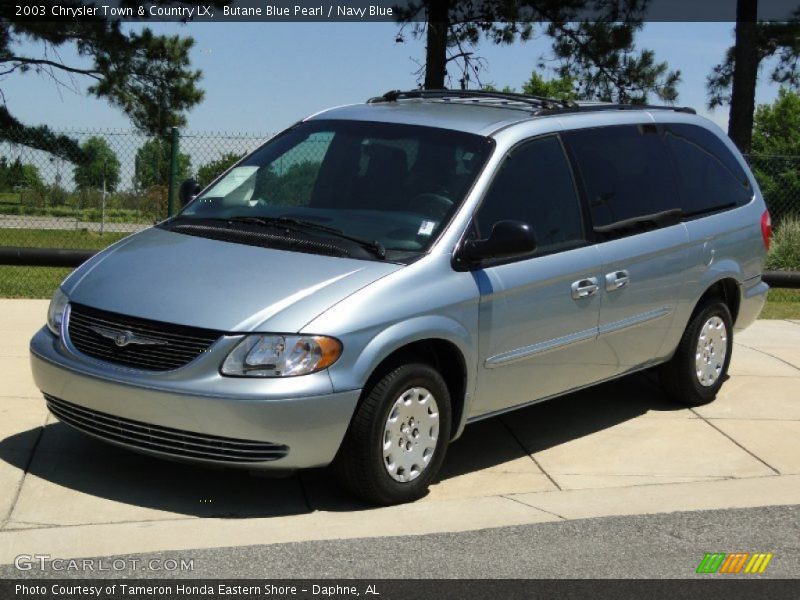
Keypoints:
pixel 654 546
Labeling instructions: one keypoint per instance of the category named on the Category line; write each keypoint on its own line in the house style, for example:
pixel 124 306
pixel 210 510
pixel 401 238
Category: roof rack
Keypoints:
pixel 507 99
pixel 613 106
pixel 541 106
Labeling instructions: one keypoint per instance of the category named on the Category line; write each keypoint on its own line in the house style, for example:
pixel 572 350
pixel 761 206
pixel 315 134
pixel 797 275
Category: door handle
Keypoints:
pixel 616 280
pixel 583 288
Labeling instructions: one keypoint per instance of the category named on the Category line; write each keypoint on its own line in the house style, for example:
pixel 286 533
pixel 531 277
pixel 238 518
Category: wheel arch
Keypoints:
pixel 726 288
pixel 442 343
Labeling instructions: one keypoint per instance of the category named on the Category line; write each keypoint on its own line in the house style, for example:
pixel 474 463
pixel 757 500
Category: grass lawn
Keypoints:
pixel 782 304
pixel 58 238
pixel 40 282
pixel 30 282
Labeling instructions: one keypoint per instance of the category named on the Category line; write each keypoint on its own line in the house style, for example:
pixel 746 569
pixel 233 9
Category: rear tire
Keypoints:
pixel 699 367
pixel 398 436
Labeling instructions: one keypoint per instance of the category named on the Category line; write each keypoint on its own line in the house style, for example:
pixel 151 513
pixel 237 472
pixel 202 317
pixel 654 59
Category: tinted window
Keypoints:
pixel 535 185
pixel 626 171
pixel 710 176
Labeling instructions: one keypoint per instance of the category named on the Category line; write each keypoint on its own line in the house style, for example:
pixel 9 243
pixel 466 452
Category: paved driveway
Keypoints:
pixel 618 449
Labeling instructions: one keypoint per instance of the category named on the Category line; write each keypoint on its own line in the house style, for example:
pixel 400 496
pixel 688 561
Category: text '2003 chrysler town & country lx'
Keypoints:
pixel 377 276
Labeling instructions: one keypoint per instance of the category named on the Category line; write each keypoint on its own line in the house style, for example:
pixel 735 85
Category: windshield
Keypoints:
pixel 397 185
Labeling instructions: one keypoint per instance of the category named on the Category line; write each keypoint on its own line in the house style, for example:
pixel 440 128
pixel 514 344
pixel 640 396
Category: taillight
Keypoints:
pixel 766 228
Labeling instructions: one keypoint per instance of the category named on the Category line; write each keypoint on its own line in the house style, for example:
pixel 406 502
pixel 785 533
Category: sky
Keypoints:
pixel 262 77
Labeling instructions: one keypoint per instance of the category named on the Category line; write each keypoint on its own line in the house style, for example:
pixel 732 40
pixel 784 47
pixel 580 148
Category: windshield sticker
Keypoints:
pixel 231 181
pixel 426 228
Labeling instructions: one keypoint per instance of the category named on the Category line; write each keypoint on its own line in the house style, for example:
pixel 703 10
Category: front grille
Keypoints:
pixel 165 346
pixel 184 444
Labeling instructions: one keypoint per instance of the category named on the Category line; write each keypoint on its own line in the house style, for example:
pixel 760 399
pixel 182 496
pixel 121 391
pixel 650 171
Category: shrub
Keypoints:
pixel 784 253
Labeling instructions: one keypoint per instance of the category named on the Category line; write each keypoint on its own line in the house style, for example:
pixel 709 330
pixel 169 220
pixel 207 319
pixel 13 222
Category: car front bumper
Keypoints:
pixel 194 413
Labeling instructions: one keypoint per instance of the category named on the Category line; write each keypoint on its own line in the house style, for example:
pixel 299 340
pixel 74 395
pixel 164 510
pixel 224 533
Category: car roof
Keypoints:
pixel 481 120
pixel 477 112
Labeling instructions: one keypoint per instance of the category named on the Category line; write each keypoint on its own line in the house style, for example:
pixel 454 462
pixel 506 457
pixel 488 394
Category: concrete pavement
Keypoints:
pixel 619 449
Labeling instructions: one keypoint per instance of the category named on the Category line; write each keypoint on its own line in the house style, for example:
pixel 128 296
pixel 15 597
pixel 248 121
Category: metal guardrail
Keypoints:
pixel 782 279
pixel 44 257
pixel 61 257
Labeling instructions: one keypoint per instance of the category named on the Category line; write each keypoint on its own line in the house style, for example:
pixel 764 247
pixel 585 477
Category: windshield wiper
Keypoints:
pixel 374 246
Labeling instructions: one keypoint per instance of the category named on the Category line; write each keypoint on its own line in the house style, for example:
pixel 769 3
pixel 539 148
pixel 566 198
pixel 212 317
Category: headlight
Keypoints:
pixel 270 355
pixel 55 312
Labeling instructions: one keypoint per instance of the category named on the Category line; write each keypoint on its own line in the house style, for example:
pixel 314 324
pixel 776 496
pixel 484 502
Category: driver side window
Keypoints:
pixel 534 185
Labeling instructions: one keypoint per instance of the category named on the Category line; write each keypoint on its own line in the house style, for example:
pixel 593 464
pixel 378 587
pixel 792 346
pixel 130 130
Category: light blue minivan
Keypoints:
pixel 378 276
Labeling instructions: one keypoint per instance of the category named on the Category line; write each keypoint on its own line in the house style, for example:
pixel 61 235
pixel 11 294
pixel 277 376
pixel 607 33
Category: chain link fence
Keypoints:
pixel 87 189
pixel 779 180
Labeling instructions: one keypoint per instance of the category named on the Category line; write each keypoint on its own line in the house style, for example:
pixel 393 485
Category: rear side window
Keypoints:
pixel 711 178
pixel 534 185
pixel 626 171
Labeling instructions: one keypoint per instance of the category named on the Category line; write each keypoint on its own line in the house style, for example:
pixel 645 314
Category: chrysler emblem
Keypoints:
pixel 124 338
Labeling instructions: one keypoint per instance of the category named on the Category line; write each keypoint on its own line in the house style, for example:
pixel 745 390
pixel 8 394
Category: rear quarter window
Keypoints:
pixel 710 177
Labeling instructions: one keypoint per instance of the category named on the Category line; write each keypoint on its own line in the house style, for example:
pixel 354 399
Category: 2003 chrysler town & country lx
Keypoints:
pixel 377 276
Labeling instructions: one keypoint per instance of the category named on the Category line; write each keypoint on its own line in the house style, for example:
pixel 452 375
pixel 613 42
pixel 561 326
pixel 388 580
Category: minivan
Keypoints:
pixel 378 276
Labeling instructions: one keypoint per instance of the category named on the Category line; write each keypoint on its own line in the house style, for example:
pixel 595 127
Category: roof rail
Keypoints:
pixel 542 106
pixel 613 106
pixel 507 98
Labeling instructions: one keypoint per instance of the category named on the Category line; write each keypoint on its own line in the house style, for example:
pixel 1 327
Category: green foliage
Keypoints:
pixel 784 252
pixel 561 88
pixel 603 61
pixel 153 84
pixel 776 126
pixel 152 164
pixel 57 195
pixel 147 76
pixel 17 175
pixel 40 137
pixel 211 170
pixel 777 43
pixel 100 166
pixel 600 57
pixel 776 147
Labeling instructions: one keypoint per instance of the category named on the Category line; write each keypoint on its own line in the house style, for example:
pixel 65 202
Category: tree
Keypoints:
pixel 147 76
pixel 210 171
pixel 600 56
pixel 776 147
pixel 561 88
pixel 734 80
pixel 776 127
pixel 18 175
pixel 152 164
pixel 99 168
pixel 603 61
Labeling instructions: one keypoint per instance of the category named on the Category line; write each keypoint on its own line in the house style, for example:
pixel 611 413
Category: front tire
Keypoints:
pixel 699 367
pixel 398 437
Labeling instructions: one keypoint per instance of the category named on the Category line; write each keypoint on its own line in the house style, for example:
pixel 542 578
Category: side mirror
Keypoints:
pixel 188 190
pixel 507 240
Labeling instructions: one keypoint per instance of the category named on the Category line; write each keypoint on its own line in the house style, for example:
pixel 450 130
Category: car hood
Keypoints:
pixel 186 280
